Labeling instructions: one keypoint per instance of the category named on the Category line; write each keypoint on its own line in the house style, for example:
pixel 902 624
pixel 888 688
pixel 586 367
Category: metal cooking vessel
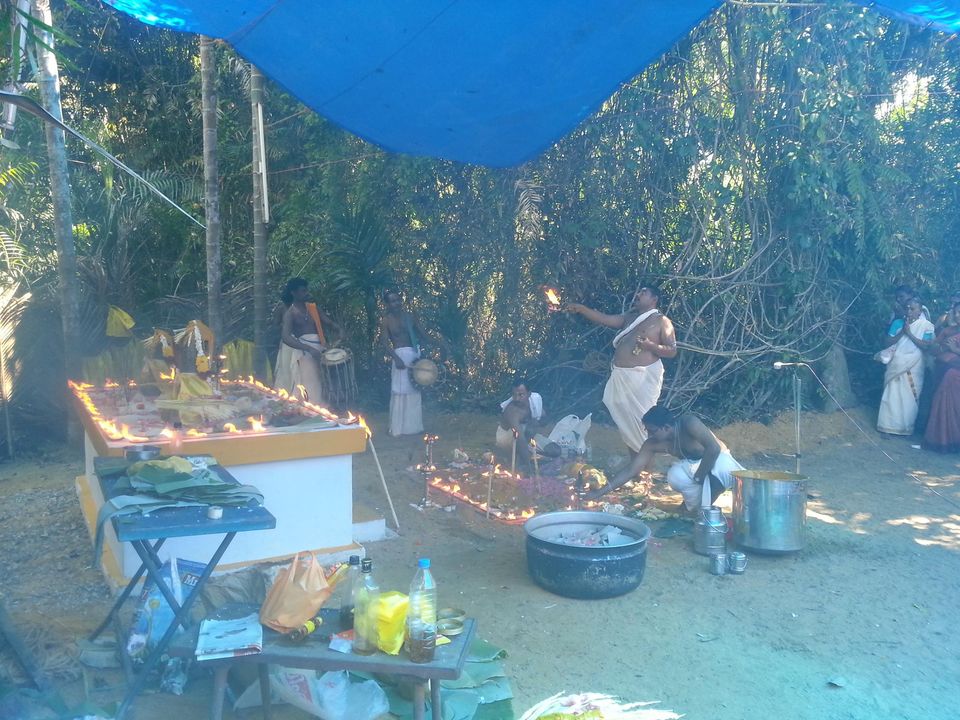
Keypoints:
pixel 585 572
pixel 710 532
pixel 769 510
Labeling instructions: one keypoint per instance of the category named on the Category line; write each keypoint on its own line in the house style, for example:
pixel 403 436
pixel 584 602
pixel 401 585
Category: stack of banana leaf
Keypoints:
pixel 118 363
pixel 177 479
pixel 240 361
pixel 146 486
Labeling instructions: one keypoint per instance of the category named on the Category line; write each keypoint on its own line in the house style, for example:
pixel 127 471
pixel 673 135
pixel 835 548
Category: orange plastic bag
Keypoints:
pixel 296 595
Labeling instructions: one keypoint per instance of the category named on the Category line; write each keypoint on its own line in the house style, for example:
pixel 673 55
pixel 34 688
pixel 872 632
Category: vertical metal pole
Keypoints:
pixel 798 405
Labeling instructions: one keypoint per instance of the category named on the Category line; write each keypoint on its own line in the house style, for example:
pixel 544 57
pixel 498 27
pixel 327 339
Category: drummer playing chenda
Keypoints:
pixel 402 336
pixel 705 467
pixel 302 342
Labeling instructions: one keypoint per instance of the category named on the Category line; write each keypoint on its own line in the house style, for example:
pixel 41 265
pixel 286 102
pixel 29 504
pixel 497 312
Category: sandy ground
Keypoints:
pixel 869 604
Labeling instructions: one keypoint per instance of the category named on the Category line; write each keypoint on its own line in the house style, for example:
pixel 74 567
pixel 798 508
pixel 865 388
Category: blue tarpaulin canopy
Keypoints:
pixel 491 82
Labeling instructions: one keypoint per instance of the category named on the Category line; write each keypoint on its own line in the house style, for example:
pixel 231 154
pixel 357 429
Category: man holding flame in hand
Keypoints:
pixel 636 375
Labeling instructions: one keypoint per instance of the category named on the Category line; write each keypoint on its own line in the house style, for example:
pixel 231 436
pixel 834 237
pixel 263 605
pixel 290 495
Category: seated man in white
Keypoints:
pixel 520 416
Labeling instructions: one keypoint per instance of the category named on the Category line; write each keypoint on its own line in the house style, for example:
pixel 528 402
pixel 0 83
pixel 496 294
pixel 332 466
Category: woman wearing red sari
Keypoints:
pixel 943 427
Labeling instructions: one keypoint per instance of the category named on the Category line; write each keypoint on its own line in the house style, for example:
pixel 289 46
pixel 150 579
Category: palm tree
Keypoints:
pixel 59 185
pixel 259 222
pixel 358 260
pixel 208 82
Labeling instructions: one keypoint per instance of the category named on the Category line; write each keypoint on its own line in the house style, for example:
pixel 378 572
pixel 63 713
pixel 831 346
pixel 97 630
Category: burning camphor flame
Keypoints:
pixel 366 428
pixel 553 299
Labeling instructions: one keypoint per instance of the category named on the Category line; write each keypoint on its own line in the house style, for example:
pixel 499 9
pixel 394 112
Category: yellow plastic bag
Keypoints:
pixel 391 613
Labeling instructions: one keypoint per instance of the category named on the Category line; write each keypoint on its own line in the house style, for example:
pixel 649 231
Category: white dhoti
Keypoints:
pixel 629 393
pixel 504 438
pixel 298 367
pixel 697 495
pixel 406 412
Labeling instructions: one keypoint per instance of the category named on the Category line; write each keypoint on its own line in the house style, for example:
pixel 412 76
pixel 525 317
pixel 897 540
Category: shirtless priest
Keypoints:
pixel 636 376
pixel 704 468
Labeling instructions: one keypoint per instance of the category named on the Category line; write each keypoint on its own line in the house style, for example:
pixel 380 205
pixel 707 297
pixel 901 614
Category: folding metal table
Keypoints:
pixel 158 526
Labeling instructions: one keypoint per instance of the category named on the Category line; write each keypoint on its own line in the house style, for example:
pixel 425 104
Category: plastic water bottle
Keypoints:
pixel 421 640
pixel 364 611
pixel 346 596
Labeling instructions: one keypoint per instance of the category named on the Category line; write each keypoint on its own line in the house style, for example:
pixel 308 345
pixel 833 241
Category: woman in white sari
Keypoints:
pixel 903 380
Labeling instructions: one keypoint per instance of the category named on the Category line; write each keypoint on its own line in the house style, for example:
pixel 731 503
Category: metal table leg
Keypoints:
pixel 264 671
pixel 181 613
pixel 154 568
pixel 419 700
pixel 435 699
pixel 219 691
pixel 122 598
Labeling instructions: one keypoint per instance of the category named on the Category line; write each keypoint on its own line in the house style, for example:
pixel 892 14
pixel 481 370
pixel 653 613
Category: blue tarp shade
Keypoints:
pixel 490 82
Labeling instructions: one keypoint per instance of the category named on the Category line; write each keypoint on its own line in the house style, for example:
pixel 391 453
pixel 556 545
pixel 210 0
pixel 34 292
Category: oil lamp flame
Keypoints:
pixel 256 424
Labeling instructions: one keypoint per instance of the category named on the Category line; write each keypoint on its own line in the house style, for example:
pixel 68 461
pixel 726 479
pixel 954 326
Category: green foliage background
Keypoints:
pixel 776 173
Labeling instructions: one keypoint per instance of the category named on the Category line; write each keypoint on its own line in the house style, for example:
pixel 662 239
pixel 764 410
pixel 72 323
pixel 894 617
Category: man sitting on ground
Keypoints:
pixel 520 415
pixel 705 467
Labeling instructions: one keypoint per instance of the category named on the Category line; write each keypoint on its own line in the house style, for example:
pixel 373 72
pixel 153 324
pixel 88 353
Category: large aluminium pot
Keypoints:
pixel 769 510
pixel 585 572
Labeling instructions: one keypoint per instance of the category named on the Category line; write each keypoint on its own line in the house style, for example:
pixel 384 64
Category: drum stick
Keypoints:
pixel 383 480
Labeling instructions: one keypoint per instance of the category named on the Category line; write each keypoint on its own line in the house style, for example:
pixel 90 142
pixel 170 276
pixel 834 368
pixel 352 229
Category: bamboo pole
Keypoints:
pixel 490 489
pixel 383 481
pixel 5 398
pixel 536 463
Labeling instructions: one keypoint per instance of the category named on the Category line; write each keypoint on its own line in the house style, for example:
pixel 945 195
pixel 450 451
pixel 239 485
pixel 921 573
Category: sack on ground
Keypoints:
pixel 296 595
pixel 330 696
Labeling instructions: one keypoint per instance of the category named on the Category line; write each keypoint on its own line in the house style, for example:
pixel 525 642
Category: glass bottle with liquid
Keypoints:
pixel 346 595
pixel 364 611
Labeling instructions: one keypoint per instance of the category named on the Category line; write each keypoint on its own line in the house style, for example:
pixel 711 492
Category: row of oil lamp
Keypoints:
pixel 116 432
pixel 454 490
